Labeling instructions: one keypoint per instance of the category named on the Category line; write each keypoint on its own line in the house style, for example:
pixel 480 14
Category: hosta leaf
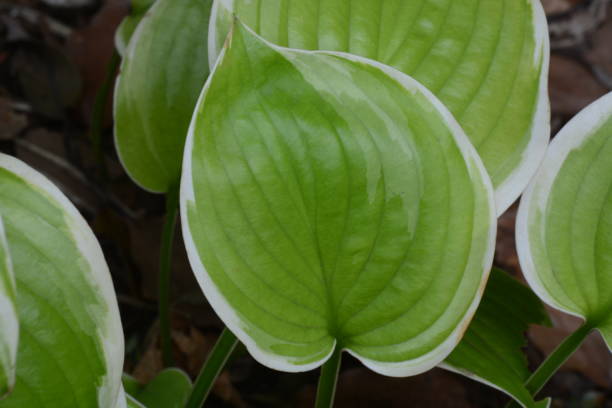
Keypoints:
pixel 169 389
pixel 70 351
pixel 487 61
pixel 125 31
pixel 140 6
pixel 491 349
pixel 127 27
pixel 564 225
pixel 329 200
pixel 130 384
pixel 162 73
pixel 9 325
pixel 132 402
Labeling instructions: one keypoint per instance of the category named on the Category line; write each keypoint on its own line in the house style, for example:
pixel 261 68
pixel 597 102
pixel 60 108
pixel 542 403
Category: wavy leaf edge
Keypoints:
pixel 222 306
pixel 570 137
pixel 111 336
pixel 514 184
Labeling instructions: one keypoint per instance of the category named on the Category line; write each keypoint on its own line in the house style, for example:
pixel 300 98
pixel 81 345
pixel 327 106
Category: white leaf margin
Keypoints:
pixel 535 198
pixel 232 319
pixel 110 332
pixel 474 377
pixel 512 187
pixel 128 55
pixel 9 321
pixel 514 184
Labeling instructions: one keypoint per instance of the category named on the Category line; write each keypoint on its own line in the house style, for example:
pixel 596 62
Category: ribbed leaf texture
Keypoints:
pixel 70 351
pixel 331 201
pixel 564 226
pixel 487 61
pixel 161 76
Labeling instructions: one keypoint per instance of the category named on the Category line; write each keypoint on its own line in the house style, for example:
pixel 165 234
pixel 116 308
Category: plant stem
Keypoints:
pixel 211 368
pixel 554 361
pixel 99 111
pixel 326 390
pixel 165 266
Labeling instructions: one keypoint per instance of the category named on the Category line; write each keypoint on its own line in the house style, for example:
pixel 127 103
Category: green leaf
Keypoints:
pixel 132 402
pixel 125 31
pixel 329 200
pixel 141 6
pixel 130 22
pixel 169 389
pixel 162 73
pixel 491 349
pixel 487 61
pixel 130 384
pixel 564 225
pixel 70 351
pixel 9 324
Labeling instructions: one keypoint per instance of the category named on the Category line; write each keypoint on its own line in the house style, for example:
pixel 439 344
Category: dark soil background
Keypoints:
pixel 54 57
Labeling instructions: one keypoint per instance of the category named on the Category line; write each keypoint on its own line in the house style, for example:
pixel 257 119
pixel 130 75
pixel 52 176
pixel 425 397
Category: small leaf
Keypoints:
pixel 130 384
pixel 141 6
pixel 329 200
pixel 169 389
pixel 133 402
pixel 70 351
pixel 487 61
pixel 125 400
pixel 9 324
pixel 162 73
pixel 125 31
pixel 491 349
pixel 130 22
pixel 564 225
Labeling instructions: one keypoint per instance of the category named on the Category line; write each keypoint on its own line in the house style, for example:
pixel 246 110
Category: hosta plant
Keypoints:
pixel 61 338
pixel 163 70
pixel 564 229
pixel 58 310
pixel 307 242
pixel 323 195
pixel 340 177
pixel 479 58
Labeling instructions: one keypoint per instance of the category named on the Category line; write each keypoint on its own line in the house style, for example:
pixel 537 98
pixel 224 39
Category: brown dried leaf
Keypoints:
pixel 92 48
pixel 505 250
pixel 149 365
pixel 599 55
pixel 556 6
pixel 360 387
pixel 572 87
pixel 12 122
pixel 48 79
pixel 195 347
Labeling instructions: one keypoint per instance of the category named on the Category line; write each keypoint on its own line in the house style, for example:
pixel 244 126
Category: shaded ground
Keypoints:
pixel 53 59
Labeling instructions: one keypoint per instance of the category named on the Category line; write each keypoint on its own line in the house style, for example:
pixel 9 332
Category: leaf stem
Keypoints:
pixel 326 390
pixel 99 111
pixel 212 367
pixel 554 361
pixel 165 266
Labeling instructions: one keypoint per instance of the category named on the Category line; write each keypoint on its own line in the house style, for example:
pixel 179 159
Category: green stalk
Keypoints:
pixel 165 266
pixel 554 361
pixel 326 390
pixel 99 110
pixel 212 367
